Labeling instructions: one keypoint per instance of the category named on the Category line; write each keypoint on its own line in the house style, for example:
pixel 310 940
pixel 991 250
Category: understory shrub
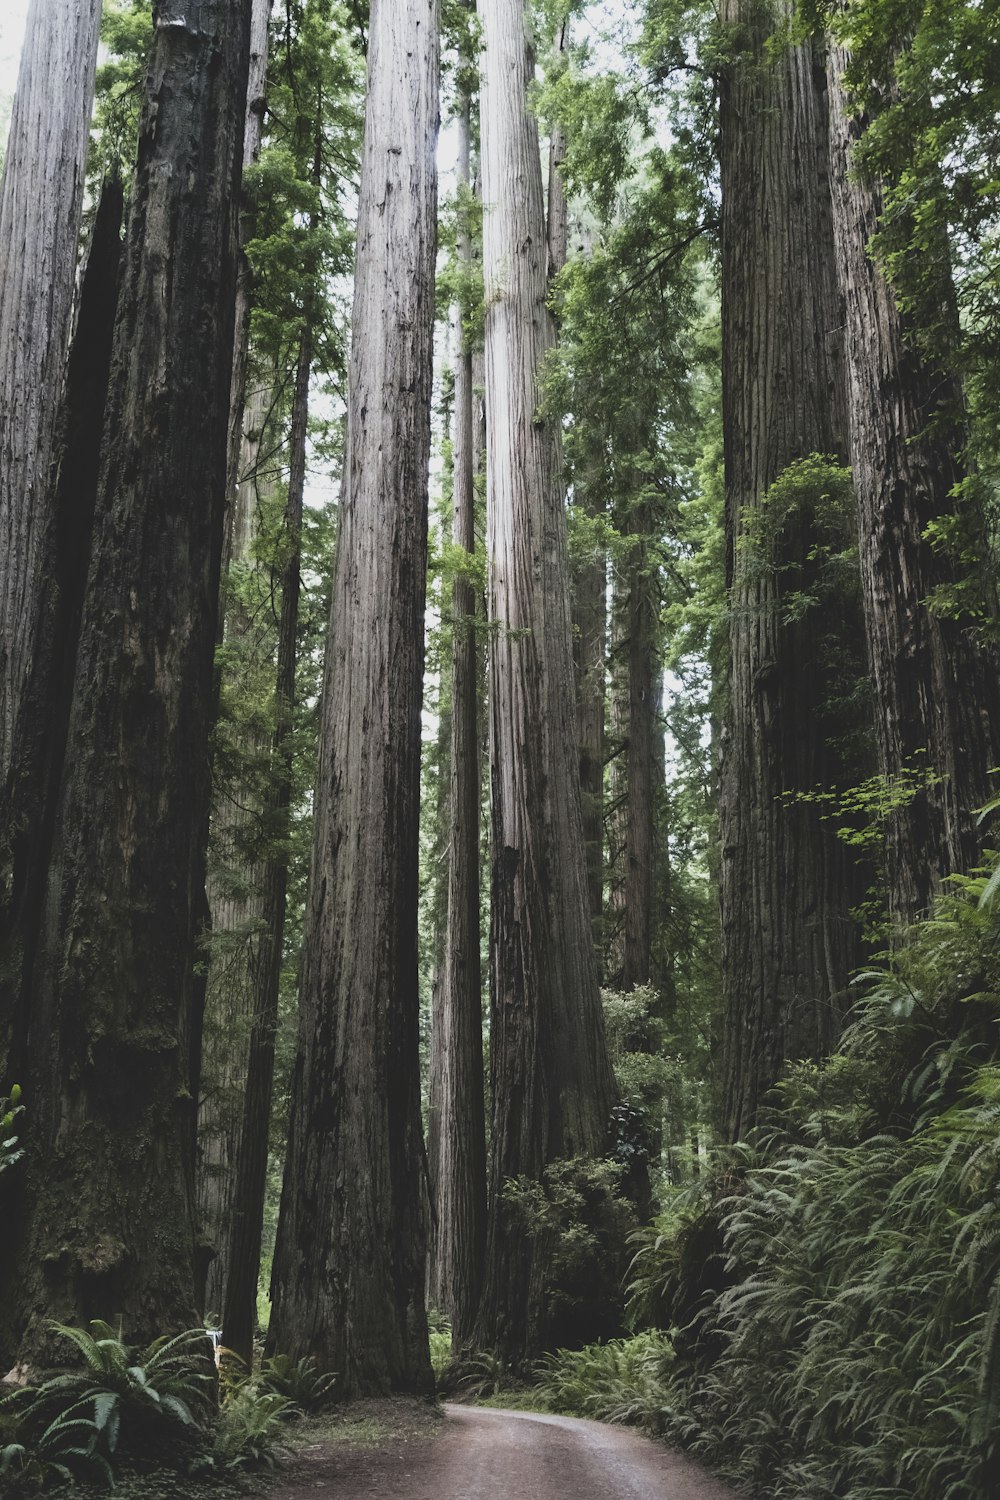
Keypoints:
pixel 166 1407
pixel 123 1408
pixel 579 1223
pixel 835 1295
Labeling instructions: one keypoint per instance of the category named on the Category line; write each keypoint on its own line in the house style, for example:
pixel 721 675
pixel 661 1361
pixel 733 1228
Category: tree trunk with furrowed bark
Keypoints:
pixel 460 1165
pixel 935 677
pixel 349 1266
pixel 551 1082
pixel 105 1221
pixel 41 201
pixel 789 940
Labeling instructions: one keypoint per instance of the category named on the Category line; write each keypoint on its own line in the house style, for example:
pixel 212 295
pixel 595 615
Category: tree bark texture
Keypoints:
pixel 250 1186
pixel 460 1177
pixel 29 796
pixel 107 1227
pixel 235 903
pixel 636 679
pixel 935 679
pixel 590 627
pixel 551 1081
pixel 349 1267
pixel 588 590
pixel 260 17
pixel 788 936
pixel 41 200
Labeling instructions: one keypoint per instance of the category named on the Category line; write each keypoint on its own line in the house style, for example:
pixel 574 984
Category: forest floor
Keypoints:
pixel 402 1450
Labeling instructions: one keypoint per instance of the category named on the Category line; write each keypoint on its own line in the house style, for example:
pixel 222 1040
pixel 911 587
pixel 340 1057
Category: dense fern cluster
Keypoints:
pixel 835 1293
pixel 122 1410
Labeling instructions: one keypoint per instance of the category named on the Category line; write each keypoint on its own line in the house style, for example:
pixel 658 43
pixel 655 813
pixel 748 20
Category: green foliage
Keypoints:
pixel 621 1381
pixel 578 1223
pixel 301 1381
pixel 249 1426
pixel 924 73
pixel 124 1408
pixel 11 1109
pixel 813 496
pixel 849 1321
pixel 127 36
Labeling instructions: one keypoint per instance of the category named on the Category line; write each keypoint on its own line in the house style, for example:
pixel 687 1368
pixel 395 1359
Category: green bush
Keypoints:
pixel 302 1382
pixel 621 1381
pixel 123 1408
pixel 834 1289
pixel 11 1109
pixel 578 1222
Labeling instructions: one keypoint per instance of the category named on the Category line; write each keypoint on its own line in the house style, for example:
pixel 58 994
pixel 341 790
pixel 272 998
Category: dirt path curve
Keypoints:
pixel 511 1455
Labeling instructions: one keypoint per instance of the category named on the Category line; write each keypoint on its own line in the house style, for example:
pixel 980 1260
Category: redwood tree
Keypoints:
pixel 460 1143
pixel 104 1221
pixel 551 1082
pixel 788 935
pixel 41 200
pixel 935 672
pixel 348 1283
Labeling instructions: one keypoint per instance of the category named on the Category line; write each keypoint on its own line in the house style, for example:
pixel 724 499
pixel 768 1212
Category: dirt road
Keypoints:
pixel 499 1455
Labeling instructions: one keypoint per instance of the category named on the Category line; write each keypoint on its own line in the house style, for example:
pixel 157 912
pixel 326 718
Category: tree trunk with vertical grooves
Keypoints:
pixel 588 585
pixel 788 937
pixel 936 680
pixel 635 776
pixel 41 200
pixel 235 903
pixel 260 17
pixel 349 1265
pixel 639 864
pixel 249 1190
pixel 28 798
pixel 106 1226
pixel 460 1178
pixel 617 806
pixel 590 626
pixel 552 1086
pixel 222 995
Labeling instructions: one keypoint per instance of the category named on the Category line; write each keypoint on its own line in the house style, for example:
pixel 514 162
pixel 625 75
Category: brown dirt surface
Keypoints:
pixel 403 1451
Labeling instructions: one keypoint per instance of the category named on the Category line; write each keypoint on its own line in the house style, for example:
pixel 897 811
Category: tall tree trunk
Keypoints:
pixel 41 200
pixel 935 679
pixel 235 903
pixel 247 1215
pixel 639 865
pixel 552 1086
pixel 260 17
pixel 635 775
pixel 348 1282
pixel 590 627
pixel 588 590
pixel 460 1178
pixel 788 936
pixel 106 1223
pixel 29 796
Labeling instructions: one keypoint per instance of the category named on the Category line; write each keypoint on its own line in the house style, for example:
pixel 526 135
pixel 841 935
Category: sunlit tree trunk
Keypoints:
pixel 935 677
pixel 41 200
pixel 260 17
pixel 551 1083
pixel 349 1267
